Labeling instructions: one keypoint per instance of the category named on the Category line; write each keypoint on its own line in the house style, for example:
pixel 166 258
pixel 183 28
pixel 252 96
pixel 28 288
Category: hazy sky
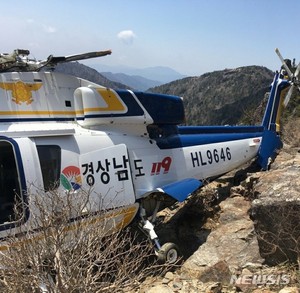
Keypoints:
pixel 191 36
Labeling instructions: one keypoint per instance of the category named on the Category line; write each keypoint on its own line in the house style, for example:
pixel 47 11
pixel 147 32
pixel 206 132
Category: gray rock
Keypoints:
pixel 230 246
pixel 276 211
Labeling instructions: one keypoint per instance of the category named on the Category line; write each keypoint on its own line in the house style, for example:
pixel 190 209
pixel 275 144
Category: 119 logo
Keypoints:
pixel 163 166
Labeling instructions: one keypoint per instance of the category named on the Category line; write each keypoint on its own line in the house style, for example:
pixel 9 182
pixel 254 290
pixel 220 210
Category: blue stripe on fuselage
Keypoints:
pixel 191 136
pixel 218 129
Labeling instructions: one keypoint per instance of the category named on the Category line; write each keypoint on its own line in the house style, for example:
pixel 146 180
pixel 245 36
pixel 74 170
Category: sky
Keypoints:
pixel 190 36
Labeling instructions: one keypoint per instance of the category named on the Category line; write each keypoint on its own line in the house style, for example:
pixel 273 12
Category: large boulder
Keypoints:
pixel 231 246
pixel 276 211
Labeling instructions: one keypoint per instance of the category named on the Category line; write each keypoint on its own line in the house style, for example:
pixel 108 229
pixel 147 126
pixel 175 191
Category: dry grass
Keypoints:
pixel 71 256
pixel 291 132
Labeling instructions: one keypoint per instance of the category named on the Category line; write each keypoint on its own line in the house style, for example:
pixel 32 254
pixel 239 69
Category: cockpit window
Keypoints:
pixel 50 158
pixel 10 191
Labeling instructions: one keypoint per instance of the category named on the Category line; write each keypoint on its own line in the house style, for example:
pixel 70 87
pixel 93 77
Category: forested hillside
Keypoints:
pixel 222 97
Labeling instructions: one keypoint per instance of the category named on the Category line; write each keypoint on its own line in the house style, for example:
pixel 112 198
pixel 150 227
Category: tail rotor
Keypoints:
pixel 293 77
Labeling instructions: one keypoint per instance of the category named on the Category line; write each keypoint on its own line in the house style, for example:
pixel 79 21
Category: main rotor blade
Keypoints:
pixel 283 63
pixel 54 60
pixel 88 55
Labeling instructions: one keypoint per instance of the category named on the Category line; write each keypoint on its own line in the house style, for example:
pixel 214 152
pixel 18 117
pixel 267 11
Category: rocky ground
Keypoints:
pixel 241 233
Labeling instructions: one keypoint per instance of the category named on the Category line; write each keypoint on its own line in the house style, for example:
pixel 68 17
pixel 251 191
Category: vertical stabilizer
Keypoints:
pixel 271 120
pixel 271 141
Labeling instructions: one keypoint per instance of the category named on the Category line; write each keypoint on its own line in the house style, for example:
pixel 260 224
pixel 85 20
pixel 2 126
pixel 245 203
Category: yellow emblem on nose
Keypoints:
pixel 21 92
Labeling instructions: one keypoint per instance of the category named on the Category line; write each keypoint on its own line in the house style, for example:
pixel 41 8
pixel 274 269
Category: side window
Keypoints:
pixel 10 196
pixel 50 158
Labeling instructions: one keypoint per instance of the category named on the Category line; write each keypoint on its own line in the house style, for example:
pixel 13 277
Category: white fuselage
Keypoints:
pixel 64 132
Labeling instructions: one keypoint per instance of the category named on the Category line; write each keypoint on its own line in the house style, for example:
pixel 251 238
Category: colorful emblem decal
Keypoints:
pixel 70 178
pixel 21 92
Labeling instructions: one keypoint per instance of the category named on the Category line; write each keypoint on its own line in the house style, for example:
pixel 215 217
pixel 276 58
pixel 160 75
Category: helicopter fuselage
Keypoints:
pixel 62 132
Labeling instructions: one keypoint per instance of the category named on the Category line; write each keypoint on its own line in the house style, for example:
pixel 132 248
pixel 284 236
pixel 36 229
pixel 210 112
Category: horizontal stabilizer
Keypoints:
pixel 180 190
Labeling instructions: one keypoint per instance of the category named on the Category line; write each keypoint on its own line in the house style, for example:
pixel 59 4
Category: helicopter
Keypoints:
pixel 64 132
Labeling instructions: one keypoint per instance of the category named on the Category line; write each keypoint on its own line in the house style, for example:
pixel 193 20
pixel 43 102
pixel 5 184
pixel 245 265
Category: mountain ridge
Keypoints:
pixel 212 98
pixel 134 81
pixel 162 74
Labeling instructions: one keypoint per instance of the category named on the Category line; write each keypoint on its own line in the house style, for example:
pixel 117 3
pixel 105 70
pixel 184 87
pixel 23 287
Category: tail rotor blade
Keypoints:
pixel 297 77
pixel 288 95
pixel 283 63
pixel 297 71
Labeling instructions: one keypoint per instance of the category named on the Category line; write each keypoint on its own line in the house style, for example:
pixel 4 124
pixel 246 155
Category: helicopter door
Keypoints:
pixel 106 173
pixel 12 184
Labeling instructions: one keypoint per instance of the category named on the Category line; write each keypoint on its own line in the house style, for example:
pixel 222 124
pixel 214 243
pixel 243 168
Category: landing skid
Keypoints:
pixel 167 253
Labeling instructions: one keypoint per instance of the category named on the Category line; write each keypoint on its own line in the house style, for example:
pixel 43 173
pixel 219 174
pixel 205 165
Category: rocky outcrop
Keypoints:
pixel 230 247
pixel 276 211
pixel 270 235
pixel 237 228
